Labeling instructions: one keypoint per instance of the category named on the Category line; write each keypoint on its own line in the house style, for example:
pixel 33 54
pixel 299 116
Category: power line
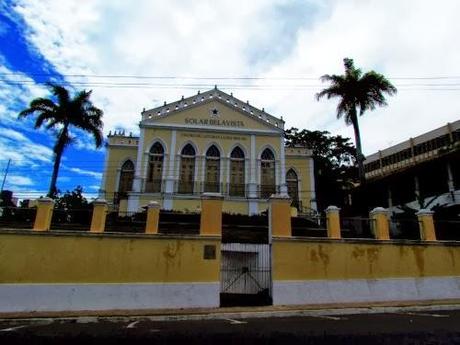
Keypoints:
pixel 301 87
pixel 121 76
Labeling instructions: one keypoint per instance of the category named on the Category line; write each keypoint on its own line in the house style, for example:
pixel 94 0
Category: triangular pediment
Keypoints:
pixel 213 109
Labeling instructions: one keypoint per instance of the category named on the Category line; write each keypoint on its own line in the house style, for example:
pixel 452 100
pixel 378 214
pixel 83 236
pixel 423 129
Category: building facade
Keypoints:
pixel 210 142
pixel 421 172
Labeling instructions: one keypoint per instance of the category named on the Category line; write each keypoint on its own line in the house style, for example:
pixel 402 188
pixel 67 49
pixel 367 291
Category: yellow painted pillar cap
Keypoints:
pixel 153 204
pixel 379 210
pixel 212 196
pixel 99 202
pixel 44 201
pixel 332 209
pixel 280 197
pixel 424 212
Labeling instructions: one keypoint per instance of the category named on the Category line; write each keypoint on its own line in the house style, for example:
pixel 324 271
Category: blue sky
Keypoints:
pixel 272 40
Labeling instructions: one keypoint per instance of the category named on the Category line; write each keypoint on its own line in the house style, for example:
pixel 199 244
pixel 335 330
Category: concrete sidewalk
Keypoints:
pixel 238 312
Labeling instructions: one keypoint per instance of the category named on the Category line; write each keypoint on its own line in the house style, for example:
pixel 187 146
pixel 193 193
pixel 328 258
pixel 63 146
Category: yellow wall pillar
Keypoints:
pixel 44 214
pixel 380 223
pixel 333 222
pixel 279 216
pixel 426 225
pixel 211 214
pixel 153 216
pixel 99 215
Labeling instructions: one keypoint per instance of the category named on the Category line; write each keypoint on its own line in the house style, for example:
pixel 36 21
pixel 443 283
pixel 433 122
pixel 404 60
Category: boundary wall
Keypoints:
pixel 61 271
pixel 356 271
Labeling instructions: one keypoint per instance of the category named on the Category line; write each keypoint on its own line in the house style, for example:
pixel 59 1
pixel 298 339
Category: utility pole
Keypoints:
pixel 6 173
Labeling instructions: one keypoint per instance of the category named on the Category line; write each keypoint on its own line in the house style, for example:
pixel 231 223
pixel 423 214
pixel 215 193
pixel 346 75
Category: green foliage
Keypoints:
pixel 59 114
pixel 335 169
pixel 357 93
pixel 336 150
pixel 72 200
pixel 72 207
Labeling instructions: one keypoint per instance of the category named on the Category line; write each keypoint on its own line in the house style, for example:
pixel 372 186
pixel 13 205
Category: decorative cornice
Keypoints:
pixel 213 95
pixel 213 129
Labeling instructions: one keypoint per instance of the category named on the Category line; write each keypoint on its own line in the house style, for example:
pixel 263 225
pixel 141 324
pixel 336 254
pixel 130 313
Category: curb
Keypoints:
pixel 229 313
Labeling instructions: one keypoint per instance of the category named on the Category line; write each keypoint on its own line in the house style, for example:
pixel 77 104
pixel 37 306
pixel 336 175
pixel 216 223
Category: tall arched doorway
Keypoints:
pixel 237 187
pixel 154 176
pixel 187 170
pixel 125 183
pixel 267 174
pixel 292 182
pixel 212 170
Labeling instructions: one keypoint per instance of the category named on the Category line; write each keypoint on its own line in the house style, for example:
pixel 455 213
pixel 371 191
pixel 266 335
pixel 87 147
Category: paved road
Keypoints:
pixel 427 327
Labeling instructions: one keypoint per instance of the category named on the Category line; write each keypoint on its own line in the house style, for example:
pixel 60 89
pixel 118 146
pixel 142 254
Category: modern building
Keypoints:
pixel 420 172
pixel 209 142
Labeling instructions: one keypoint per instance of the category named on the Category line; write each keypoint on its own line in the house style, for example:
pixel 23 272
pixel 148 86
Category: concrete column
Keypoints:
pixel 333 222
pixel 171 173
pixel 153 216
pixel 252 192
pixel 200 172
pixel 416 188
pixel 252 186
pixel 44 214
pixel 390 197
pixel 102 191
pixel 99 215
pixel 381 224
pixel 282 180
pixel 279 216
pixel 426 225
pixel 211 214
pixel 450 178
pixel 313 204
pixel 137 182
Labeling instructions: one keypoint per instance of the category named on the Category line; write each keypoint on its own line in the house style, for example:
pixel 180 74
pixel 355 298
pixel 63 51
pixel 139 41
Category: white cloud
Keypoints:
pixel 21 150
pixel 86 172
pixel 16 91
pixel 236 38
pixel 15 180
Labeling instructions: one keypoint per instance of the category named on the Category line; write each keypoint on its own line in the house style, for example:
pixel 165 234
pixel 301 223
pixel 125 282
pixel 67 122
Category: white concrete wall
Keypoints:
pixel 365 290
pixel 75 297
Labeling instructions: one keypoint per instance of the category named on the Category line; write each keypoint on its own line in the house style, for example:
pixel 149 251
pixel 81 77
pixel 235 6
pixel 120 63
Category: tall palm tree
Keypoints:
pixel 60 116
pixel 357 92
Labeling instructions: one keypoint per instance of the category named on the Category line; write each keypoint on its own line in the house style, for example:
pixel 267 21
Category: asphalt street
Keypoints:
pixel 405 327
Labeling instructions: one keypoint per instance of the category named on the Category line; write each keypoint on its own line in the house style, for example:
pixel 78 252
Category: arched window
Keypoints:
pixel 187 170
pixel 293 187
pixel 212 171
pixel 156 158
pixel 267 174
pixel 237 187
pixel 126 180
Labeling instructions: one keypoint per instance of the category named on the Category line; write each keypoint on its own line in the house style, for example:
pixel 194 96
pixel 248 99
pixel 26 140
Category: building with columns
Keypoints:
pixel 425 168
pixel 209 142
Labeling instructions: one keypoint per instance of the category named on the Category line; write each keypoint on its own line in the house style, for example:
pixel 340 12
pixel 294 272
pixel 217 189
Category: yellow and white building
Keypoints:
pixel 209 142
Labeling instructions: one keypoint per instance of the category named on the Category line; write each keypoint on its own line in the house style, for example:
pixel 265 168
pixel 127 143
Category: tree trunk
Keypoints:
pixel 359 151
pixel 58 151
pixel 57 162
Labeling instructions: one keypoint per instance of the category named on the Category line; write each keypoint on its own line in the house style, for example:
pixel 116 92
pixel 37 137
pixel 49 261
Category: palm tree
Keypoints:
pixel 357 93
pixel 77 111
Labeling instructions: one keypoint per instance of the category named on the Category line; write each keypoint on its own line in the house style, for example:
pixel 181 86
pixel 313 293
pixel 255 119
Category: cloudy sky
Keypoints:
pixel 138 54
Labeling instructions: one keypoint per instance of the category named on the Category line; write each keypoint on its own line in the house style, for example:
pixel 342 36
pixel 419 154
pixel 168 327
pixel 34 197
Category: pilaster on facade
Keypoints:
pixel 171 175
pixel 282 182
pixel 137 182
pixel 252 188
